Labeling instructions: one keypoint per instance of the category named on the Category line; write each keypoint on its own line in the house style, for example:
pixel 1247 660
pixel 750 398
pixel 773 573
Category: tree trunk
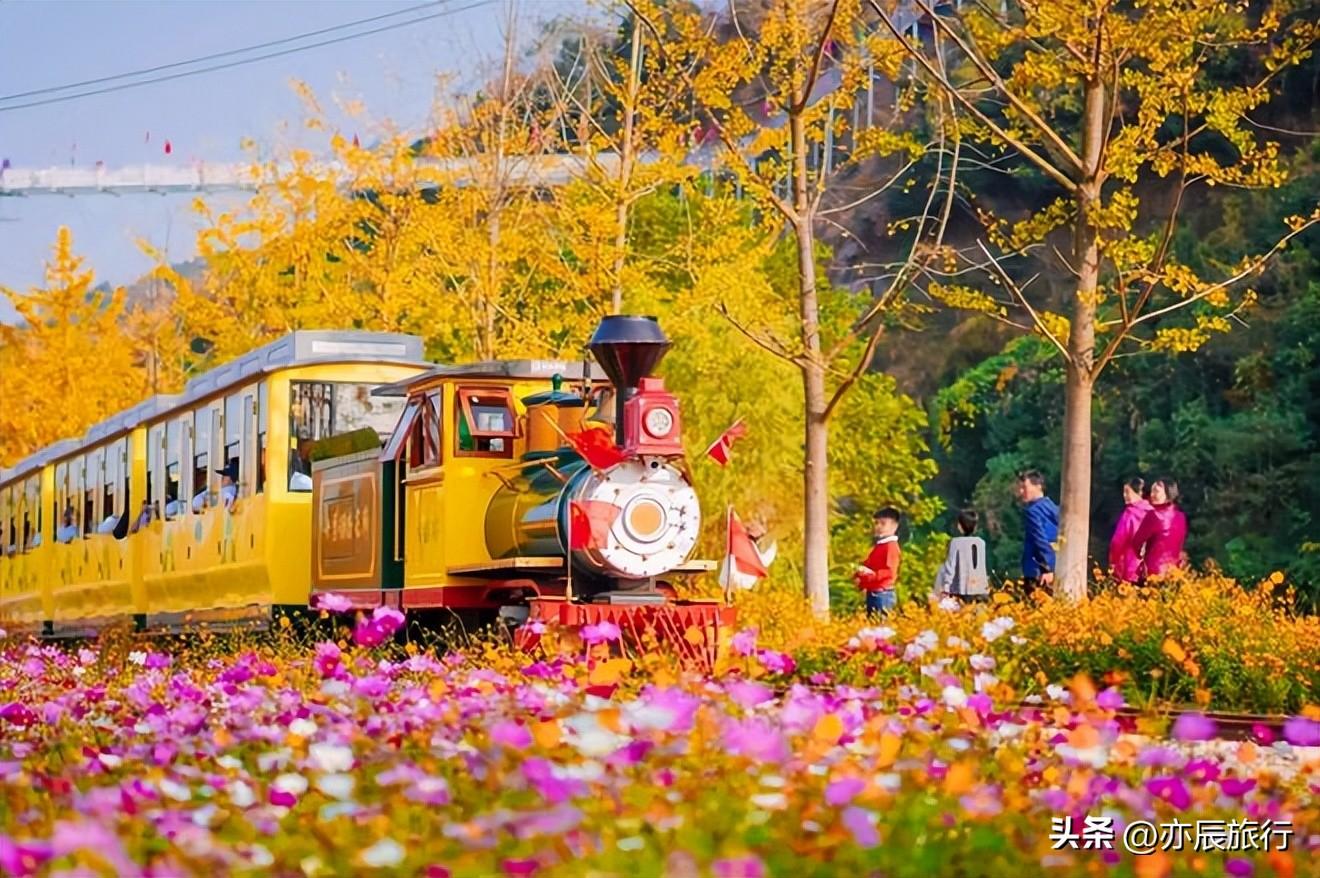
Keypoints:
pixel 815 470
pixel 626 153
pixel 1075 514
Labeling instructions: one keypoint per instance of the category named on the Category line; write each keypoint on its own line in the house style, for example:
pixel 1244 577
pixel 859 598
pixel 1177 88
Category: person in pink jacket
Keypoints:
pixel 1162 532
pixel 1124 560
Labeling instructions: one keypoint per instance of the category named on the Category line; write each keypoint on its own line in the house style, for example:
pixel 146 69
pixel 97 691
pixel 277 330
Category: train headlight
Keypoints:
pixel 659 422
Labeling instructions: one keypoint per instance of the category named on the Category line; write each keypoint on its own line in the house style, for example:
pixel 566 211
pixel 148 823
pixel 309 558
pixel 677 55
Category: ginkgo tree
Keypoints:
pixel 1127 112
pixel 773 88
pixel 67 363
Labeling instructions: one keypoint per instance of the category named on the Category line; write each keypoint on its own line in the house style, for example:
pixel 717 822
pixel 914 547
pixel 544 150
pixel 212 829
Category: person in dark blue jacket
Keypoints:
pixel 1040 519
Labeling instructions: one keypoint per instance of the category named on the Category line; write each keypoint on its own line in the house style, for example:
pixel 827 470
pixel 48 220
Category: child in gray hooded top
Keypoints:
pixel 963 573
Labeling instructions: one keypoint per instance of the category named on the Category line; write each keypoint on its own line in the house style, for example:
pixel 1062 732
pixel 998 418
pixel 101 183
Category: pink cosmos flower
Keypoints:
pixel 859 823
pixel 1194 727
pixel 1236 787
pixel 744 642
pixel 22 858
pixel 739 867
pixel 1171 790
pixel 747 694
pixel 507 733
pixel 843 791
pixel 776 662
pixel 1302 732
pixel 1239 868
pixel 17 714
pixel 333 602
pixel 1110 699
pixel 602 632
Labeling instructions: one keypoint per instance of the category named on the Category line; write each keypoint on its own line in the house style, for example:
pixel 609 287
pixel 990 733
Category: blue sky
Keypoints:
pixel 204 117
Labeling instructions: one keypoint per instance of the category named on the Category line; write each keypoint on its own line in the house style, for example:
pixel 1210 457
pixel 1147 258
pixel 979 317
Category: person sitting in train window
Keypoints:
pixel 107 525
pixel 69 529
pixel 300 465
pixel 228 483
pixel 143 518
pixel 35 541
pixel 172 500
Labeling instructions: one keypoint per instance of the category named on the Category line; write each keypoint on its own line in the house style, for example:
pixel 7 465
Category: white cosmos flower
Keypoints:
pixel 330 758
pixel 383 854
pixel 303 727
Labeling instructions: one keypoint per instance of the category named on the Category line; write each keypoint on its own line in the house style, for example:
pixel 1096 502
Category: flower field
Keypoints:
pixel 931 747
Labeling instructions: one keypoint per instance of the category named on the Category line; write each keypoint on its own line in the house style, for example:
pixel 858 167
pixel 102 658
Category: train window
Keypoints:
pixel 174 489
pixel 90 490
pixel 234 420
pixel 61 504
pixel 424 451
pixel 8 532
pixel 403 432
pixel 485 425
pixel 201 458
pixel 32 513
pixel 319 409
pixel 262 407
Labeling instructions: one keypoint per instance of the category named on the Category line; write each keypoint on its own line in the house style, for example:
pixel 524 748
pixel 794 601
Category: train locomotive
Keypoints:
pixel 510 486
pixel 341 462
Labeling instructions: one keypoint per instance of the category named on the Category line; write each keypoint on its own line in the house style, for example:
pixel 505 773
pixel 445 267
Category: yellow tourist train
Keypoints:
pixel 341 462
pixel 134 520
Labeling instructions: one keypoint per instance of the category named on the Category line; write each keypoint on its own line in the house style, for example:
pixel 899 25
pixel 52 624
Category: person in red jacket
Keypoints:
pixel 879 574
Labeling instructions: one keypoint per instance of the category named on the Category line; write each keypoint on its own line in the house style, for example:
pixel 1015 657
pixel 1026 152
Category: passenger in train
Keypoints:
pixel 143 518
pixel 108 525
pixel 228 483
pixel 300 466
pixel 228 488
pixel 69 529
pixel 171 499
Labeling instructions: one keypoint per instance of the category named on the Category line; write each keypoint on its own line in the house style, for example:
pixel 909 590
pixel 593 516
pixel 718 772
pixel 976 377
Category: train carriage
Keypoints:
pixel 140 519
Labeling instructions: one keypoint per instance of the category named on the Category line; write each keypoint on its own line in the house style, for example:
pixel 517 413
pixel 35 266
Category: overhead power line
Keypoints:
pixel 330 42
pixel 198 60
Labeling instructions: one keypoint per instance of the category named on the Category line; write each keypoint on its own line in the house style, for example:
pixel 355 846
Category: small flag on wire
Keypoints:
pixel 596 445
pixel 356 142
pixel 720 448
pixel 744 564
pixel 589 523
pixel 168 148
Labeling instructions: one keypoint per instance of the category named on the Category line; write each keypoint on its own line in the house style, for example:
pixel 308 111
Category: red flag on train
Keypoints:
pixel 744 563
pixel 596 445
pixel 589 523
pixel 720 448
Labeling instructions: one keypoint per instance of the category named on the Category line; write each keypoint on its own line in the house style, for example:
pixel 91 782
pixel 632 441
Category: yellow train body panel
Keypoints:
pixel 241 558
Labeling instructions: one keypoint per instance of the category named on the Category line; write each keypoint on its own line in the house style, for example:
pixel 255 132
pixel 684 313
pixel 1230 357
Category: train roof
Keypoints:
pixel 508 370
pixel 303 347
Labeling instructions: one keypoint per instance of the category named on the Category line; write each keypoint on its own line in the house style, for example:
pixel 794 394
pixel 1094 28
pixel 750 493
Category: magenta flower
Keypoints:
pixel 156 661
pixel 1302 732
pixel 1194 727
pixel 776 662
pixel 981 703
pixel 739 867
pixel 756 739
pixel 17 714
pixel 747 694
pixel 332 602
pixel 1110 699
pixel 327 658
pixel 367 633
pixel 1239 868
pixel 507 733
pixel 843 791
pixel 1171 790
pixel 520 867
pixel 601 632
pixel 22 858
pixel 744 642
pixel 860 824
pixel 388 619
pixel 1202 770
pixel 1236 787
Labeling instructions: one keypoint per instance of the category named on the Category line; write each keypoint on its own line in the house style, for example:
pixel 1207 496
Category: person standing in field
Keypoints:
pixel 963 573
pixel 1040 519
pixel 1124 559
pixel 1163 531
pixel 878 576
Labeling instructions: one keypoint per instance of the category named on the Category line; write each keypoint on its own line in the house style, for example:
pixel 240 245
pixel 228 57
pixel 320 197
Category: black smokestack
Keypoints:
pixel 628 348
